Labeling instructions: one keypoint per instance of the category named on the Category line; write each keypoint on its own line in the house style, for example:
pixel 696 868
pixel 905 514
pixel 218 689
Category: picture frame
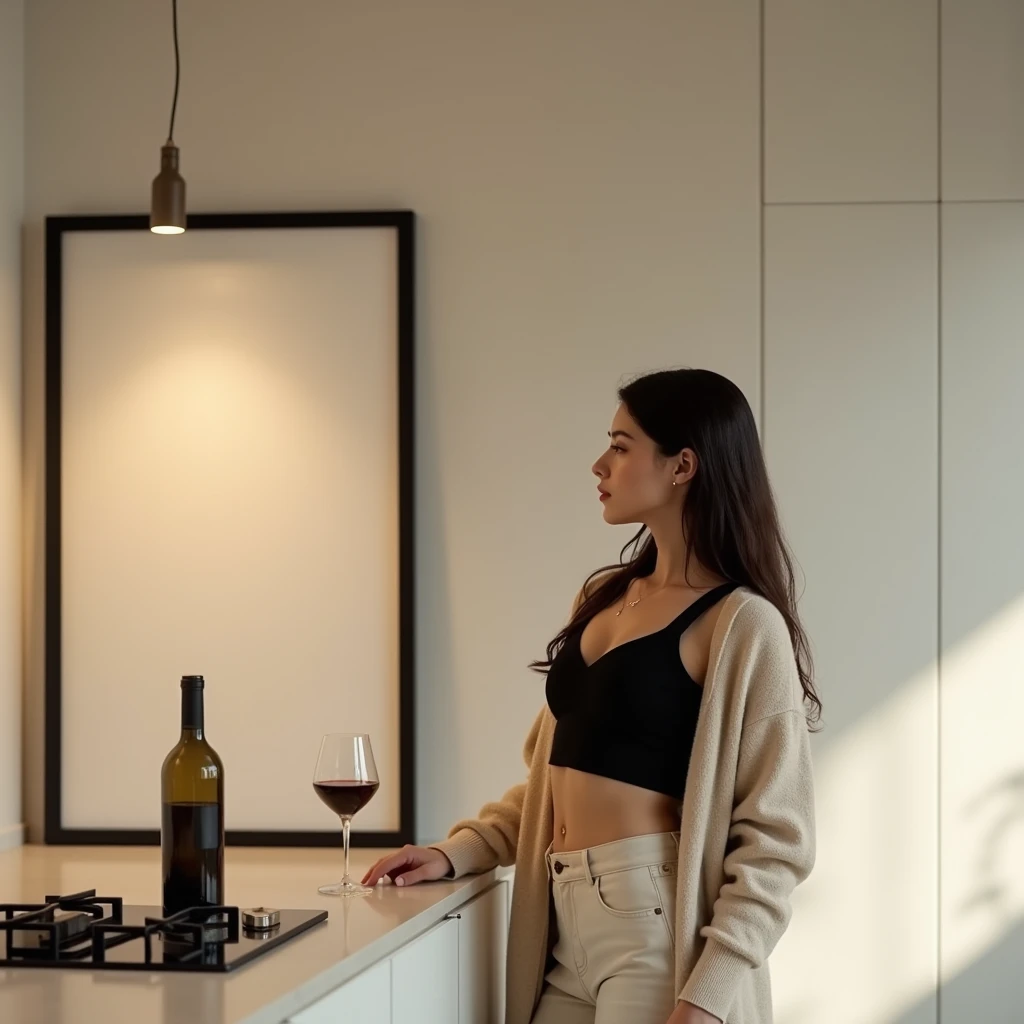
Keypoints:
pixel 161 365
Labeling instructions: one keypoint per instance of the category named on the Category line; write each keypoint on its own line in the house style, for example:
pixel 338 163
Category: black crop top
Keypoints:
pixel 632 714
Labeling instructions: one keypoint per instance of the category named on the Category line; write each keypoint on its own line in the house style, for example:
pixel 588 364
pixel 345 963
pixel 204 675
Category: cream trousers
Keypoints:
pixel 614 910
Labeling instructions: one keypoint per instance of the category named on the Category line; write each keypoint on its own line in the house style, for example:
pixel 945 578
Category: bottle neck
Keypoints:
pixel 192 712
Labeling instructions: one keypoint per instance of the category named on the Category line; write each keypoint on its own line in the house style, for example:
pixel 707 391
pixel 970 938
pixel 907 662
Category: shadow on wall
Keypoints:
pixel 865 943
pixel 990 989
pixel 995 888
pixel 979 994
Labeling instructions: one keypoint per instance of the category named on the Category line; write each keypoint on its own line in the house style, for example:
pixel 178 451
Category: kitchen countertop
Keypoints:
pixel 358 932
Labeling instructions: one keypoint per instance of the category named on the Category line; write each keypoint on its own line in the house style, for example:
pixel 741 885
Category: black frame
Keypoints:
pixel 403 221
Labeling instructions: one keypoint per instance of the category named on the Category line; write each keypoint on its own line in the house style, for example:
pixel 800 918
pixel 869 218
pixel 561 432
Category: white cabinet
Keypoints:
pixel 851 406
pixel 982 759
pixel 425 978
pixel 366 999
pixel 982 80
pixel 851 100
pixel 454 973
pixel 483 938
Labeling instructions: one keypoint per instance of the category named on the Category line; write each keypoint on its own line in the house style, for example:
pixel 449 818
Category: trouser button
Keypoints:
pixel 558 867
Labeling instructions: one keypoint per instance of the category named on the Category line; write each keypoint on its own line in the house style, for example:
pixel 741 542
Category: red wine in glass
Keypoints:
pixel 345 778
pixel 344 796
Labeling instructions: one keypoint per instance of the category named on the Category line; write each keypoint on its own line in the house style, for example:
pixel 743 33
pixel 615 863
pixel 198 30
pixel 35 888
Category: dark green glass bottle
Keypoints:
pixel 192 797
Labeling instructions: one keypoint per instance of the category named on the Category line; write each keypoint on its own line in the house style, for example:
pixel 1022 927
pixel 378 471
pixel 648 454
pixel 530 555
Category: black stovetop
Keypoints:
pixel 93 932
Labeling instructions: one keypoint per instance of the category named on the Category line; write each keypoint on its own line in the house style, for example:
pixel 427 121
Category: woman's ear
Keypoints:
pixel 686 467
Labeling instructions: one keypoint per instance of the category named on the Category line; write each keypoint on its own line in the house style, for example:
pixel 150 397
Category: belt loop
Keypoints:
pixel 586 867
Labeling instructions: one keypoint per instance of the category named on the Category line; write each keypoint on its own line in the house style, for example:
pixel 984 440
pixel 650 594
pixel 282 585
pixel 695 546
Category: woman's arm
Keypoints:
pixel 771 844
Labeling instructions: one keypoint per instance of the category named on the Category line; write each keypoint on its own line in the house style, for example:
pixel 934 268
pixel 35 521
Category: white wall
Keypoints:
pixel 982 611
pixel 893 398
pixel 12 154
pixel 850 100
pixel 588 179
pixel 851 434
pixel 851 402
pixel 982 556
pixel 586 174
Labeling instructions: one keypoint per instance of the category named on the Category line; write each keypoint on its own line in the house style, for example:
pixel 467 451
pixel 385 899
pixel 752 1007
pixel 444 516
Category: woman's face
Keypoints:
pixel 635 476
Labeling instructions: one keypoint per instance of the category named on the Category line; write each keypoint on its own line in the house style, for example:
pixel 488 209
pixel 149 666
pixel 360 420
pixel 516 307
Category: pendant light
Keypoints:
pixel 167 211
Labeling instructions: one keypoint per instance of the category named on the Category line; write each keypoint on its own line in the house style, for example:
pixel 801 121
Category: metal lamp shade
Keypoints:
pixel 167 212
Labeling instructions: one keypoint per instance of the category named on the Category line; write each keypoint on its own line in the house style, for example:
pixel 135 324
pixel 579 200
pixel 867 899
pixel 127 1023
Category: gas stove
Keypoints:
pixel 93 932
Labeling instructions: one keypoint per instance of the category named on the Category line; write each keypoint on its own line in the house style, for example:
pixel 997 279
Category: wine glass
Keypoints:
pixel 345 778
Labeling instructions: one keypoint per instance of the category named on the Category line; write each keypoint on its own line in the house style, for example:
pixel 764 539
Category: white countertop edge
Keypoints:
pixel 309 992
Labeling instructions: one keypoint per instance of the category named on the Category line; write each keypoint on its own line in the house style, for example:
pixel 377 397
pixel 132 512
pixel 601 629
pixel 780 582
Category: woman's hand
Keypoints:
pixel 410 865
pixel 687 1013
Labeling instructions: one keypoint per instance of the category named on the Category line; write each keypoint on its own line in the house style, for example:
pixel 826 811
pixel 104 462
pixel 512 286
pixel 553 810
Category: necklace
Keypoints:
pixel 630 604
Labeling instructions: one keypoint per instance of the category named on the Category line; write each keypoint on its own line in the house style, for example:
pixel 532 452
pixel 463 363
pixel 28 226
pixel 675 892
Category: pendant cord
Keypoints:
pixel 177 69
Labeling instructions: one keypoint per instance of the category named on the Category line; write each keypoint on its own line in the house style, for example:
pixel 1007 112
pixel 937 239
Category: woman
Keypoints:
pixel 669 810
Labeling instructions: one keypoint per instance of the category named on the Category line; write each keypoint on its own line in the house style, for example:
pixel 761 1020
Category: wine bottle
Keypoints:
pixel 192 797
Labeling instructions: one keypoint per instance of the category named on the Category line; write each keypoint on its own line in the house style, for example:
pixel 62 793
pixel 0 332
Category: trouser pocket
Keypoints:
pixel 630 892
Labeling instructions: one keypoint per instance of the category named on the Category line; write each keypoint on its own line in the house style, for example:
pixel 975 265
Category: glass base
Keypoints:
pixel 345 888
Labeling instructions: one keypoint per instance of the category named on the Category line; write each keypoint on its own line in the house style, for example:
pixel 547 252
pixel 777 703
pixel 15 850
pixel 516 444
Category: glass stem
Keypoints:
pixel 346 823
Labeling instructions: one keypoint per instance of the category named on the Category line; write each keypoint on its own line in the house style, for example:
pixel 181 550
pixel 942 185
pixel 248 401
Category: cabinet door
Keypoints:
pixel 425 978
pixel 483 939
pixel 366 999
pixel 851 100
pixel 851 302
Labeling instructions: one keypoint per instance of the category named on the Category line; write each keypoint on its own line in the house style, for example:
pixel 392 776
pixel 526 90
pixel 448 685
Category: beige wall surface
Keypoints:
pixel 589 178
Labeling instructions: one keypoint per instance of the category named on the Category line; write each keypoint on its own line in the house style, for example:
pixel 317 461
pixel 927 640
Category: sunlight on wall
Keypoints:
pixel 983 790
pixel 863 945
pixel 863 937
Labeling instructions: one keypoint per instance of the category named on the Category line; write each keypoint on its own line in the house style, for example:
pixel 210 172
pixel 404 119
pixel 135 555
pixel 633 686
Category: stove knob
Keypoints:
pixel 261 918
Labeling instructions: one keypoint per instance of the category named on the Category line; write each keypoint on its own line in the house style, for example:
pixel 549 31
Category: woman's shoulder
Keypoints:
pixel 755 648
pixel 748 615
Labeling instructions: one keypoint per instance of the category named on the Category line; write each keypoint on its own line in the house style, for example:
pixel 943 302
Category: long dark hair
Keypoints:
pixel 729 517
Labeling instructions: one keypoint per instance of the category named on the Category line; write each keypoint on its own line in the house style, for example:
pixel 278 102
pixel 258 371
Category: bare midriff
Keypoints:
pixel 590 810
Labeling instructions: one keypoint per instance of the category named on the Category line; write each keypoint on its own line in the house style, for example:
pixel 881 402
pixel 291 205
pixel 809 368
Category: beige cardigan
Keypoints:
pixel 748 834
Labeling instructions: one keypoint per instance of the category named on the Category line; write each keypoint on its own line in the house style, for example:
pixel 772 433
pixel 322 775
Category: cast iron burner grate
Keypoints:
pixel 89 931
